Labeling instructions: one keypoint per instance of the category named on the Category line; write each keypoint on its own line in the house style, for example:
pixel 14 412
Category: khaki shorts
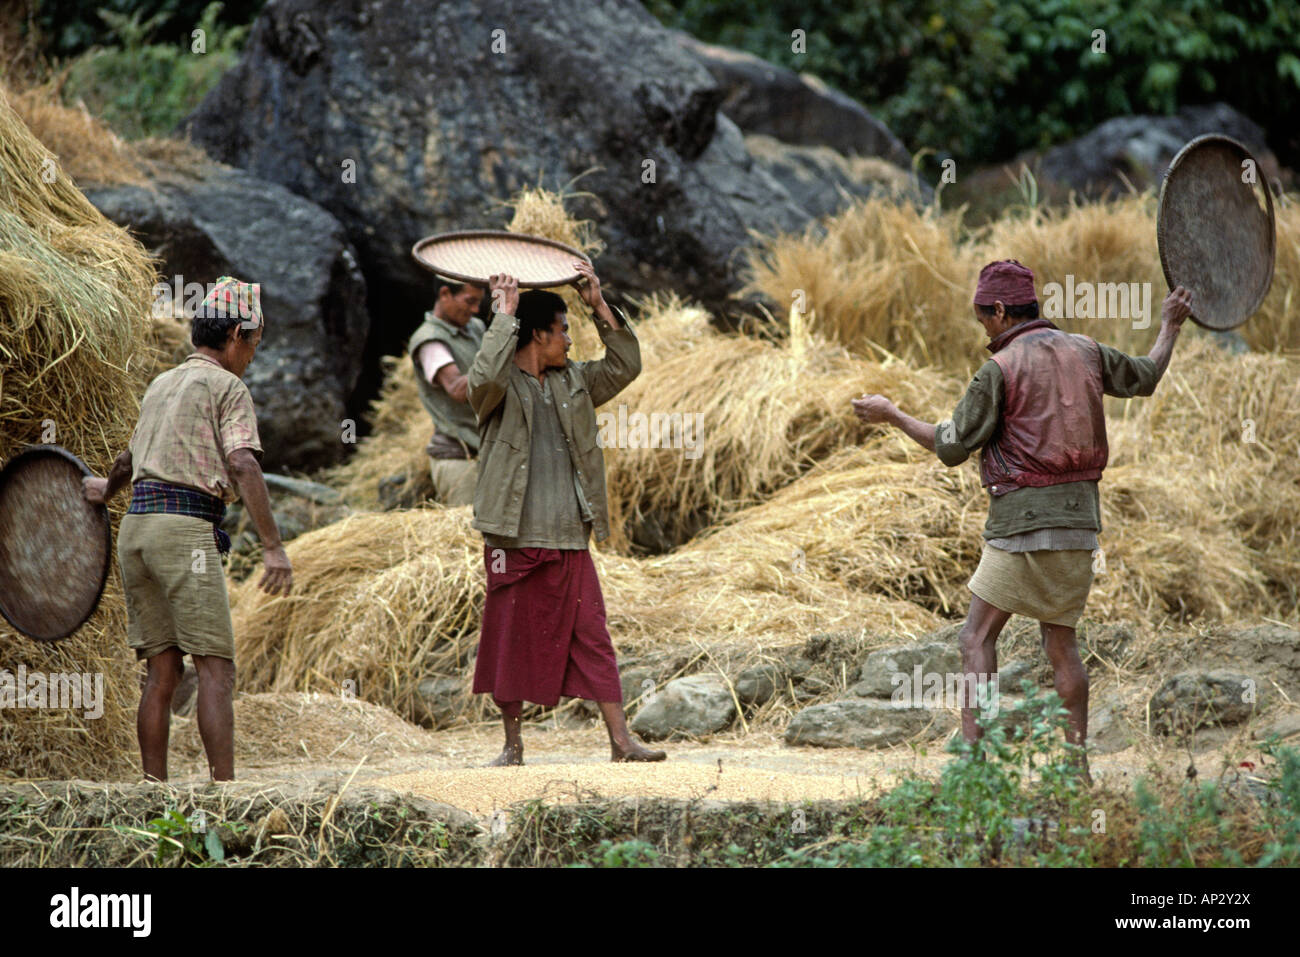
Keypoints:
pixel 1048 586
pixel 175 586
pixel 454 480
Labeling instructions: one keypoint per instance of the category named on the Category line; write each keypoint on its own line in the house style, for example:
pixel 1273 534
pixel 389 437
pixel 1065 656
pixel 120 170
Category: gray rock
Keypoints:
pixel 797 108
pixel 640 684
pixel 880 674
pixel 185 697
pixel 1284 727
pixel 1009 675
pixel 439 700
pixel 1195 699
pixel 312 491
pixel 1140 148
pixel 212 221
pixel 864 724
pixel 822 182
pixel 692 706
pixel 438 128
pixel 1108 730
pixel 757 684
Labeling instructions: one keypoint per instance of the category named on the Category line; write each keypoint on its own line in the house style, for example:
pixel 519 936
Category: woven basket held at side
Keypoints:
pixel 55 547
pixel 475 255
pixel 1216 230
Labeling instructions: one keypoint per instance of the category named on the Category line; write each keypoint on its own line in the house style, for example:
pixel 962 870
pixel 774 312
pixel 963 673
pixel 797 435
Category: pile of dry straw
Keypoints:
pixel 75 297
pixel 811 521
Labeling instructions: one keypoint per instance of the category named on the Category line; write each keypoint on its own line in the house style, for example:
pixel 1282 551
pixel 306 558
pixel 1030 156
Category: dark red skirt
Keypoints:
pixel 544 632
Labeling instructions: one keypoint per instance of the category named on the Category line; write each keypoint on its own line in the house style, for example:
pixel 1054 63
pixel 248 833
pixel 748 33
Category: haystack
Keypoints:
pixel 75 300
pixel 880 275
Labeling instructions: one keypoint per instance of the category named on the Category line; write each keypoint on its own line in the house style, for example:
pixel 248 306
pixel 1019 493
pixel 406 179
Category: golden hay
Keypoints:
pixel 387 599
pixel 75 301
pixel 765 412
pixel 313 727
pixel 884 275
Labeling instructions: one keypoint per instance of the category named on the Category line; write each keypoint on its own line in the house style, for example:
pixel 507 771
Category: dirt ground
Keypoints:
pixel 565 764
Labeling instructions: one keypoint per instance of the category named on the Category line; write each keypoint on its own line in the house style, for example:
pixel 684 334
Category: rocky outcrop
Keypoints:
pixel 212 220
pixel 854 723
pixel 405 119
pixel 795 108
pixel 687 707
pixel 1138 149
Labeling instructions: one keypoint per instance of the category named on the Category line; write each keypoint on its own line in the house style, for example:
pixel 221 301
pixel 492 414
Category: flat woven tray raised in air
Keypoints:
pixel 1216 230
pixel 475 255
pixel 55 547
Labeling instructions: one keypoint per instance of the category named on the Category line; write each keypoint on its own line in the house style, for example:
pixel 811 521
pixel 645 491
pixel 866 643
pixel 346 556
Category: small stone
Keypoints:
pixel 693 706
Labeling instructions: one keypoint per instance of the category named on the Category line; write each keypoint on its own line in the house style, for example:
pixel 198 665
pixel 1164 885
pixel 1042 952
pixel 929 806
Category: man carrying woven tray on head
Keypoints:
pixel 195 444
pixel 442 349
pixel 540 494
pixel 1035 411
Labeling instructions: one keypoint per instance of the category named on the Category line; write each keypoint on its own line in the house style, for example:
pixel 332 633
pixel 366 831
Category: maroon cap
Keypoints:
pixel 1006 281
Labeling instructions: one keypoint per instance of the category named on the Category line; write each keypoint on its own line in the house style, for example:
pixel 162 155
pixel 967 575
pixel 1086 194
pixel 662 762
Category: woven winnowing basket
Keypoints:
pixel 1216 230
pixel 55 547
pixel 475 255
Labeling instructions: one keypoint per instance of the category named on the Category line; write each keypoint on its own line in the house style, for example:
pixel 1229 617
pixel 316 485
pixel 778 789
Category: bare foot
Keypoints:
pixel 509 756
pixel 633 751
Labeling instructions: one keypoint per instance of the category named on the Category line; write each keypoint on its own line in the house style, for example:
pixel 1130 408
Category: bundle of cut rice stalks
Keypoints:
pixel 880 275
pixel 75 301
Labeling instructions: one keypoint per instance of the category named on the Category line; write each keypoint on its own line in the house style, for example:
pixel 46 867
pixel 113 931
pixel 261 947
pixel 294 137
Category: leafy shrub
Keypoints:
pixel 143 88
pixel 981 80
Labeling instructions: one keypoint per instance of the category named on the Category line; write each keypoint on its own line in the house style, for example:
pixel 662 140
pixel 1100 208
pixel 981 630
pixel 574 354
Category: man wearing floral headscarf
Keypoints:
pixel 1034 410
pixel 194 448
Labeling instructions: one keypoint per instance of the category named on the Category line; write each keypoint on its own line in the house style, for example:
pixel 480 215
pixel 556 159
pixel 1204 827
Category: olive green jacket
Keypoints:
pixel 499 395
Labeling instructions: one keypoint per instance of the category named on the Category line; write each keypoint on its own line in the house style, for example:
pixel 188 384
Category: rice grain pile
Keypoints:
pixel 75 300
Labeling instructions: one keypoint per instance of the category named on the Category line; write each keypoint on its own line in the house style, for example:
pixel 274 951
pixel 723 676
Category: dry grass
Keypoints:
pixel 75 296
pixel 313 727
pixel 881 275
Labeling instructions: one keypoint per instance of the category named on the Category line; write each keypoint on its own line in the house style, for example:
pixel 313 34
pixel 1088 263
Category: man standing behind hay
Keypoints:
pixel 442 349
pixel 1035 412
pixel 196 442
pixel 540 493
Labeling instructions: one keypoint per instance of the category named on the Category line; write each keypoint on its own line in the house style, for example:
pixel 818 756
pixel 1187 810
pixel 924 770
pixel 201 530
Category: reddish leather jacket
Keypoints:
pixel 1053 427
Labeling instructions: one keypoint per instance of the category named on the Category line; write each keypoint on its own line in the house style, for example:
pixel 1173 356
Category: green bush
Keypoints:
pixel 143 88
pixel 980 80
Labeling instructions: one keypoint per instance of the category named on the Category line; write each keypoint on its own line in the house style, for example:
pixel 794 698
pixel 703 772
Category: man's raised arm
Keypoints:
pixel 490 373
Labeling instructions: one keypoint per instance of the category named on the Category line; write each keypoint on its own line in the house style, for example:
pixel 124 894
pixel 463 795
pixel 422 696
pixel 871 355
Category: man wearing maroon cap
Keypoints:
pixel 1034 410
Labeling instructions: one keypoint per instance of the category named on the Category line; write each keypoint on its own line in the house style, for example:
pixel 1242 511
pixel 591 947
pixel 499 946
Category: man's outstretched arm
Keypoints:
pixel 953 440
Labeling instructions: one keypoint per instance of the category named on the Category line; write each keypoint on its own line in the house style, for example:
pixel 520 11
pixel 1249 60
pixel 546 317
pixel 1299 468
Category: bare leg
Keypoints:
pixel 153 719
pixel 1070 679
pixel 621 745
pixel 216 712
pixel 513 752
pixel 979 656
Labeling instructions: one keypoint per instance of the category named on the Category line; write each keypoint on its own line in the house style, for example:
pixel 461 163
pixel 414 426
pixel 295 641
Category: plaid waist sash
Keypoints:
pixel 149 497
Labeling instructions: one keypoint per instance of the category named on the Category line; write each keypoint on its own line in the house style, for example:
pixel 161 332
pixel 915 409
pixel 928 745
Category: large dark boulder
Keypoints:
pixel 211 220
pixel 796 108
pixel 439 128
pixel 1138 149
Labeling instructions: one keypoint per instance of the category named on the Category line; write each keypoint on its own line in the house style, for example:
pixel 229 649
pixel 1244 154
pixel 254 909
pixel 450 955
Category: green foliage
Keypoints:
pixel 1016 795
pixel 177 834
pixel 626 854
pixel 1283 814
pixel 144 88
pixel 980 80
pixel 69 27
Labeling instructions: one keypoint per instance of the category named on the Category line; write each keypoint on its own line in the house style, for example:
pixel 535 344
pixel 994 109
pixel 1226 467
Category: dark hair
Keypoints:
pixel 536 312
pixel 210 328
pixel 1028 310
pixel 453 287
